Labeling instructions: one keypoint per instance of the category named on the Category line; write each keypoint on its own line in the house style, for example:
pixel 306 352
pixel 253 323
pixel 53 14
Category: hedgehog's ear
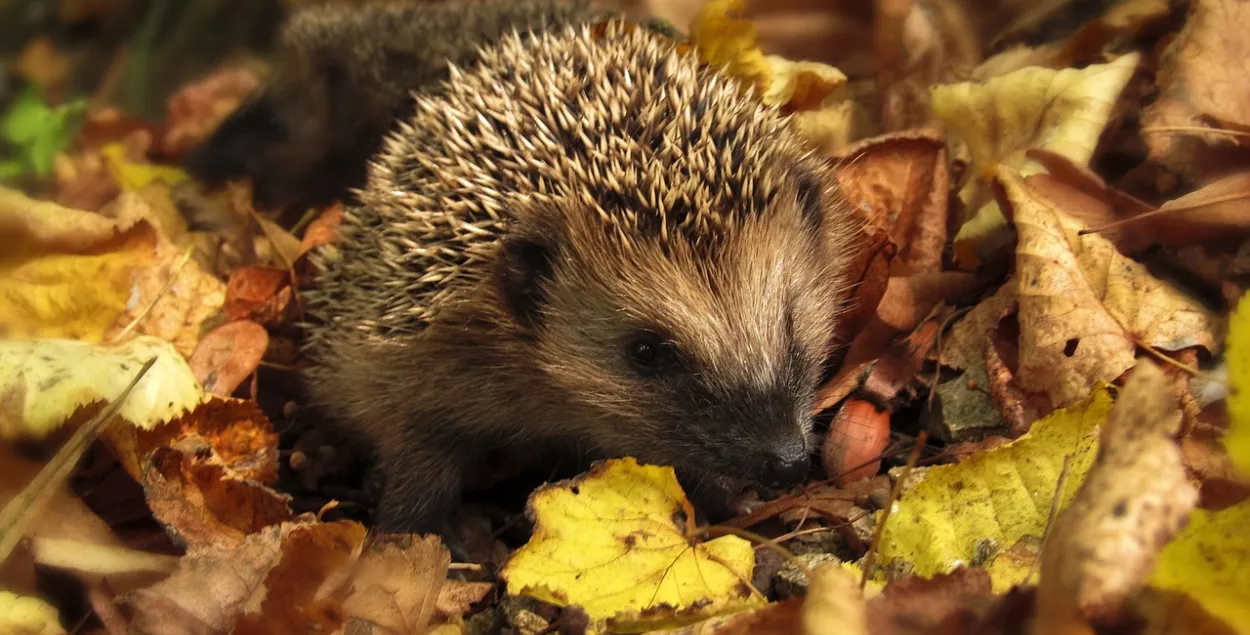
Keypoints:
pixel 525 263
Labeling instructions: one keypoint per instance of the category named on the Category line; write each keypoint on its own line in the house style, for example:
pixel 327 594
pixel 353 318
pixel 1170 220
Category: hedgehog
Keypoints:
pixel 342 76
pixel 585 240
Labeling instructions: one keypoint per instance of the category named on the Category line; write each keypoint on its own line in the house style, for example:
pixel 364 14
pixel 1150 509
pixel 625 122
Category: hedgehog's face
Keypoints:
pixel 679 355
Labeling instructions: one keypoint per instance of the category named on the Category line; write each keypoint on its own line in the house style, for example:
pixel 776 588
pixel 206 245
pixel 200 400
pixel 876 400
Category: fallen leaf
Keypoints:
pixel 1214 214
pixel 965 346
pixel 1002 118
pixel 1237 440
pixel 1085 307
pixel 725 40
pixel 1200 82
pixel 907 302
pixel 618 542
pixel 1120 23
pixel 1209 561
pixel 25 615
pixel 992 499
pixel 136 175
pixel 215 587
pixel 926 605
pixel 394 585
pixel 834 604
pixel 45 382
pixel 1132 501
pixel 37 132
pixel 196 109
pixel 919 44
pixel 902 180
pixel 78 275
pixel 263 294
pixel 228 355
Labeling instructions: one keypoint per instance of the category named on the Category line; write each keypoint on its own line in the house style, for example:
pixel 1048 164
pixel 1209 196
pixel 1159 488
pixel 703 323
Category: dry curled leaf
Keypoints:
pixel 901 180
pixel 228 355
pixel 1084 306
pixel 1132 501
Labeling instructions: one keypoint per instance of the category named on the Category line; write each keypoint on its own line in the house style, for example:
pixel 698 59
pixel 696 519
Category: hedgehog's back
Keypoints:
pixel 610 117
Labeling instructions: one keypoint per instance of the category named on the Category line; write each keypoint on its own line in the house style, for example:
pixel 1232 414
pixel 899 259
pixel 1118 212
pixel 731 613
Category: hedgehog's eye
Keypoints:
pixel 649 352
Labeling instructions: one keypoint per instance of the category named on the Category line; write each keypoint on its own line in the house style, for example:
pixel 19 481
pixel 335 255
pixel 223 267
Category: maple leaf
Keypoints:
pixel 1084 306
pixel 1134 498
pixel 617 542
pixel 993 497
pixel 1002 118
pixel 45 382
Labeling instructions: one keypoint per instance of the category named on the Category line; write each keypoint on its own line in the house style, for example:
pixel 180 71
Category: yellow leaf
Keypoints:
pixel 1238 402
pixel 960 514
pixel 611 542
pixel 43 382
pixel 1002 118
pixel 23 615
pixel 1209 561
pixel 725 40
pixel 70 273
pixel 136 176
pixel 73 274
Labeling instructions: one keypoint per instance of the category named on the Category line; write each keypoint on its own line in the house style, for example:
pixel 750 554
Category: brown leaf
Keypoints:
pixel 1084 307
pixel 965 345
pixel 869 273
pixel 1201 80
pixel 901 180
pixel 216 587
pixel 946 603
pixel 395 585
pixel 1133 500
pixel 906 302
pixel 263 294
pixel 196 109
pixel 1214 214
pixel 205 473
pixel 202 504
pixel 228 355
pixel 919 44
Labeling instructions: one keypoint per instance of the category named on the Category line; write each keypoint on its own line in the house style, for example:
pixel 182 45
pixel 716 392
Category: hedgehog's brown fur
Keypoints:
pixel 341 78
pixel 537 215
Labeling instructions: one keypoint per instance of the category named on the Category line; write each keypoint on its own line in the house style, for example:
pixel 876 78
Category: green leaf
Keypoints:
pixel 37 132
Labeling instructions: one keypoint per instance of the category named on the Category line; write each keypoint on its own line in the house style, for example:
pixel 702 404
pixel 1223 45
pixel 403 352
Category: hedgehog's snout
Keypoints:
pixel 786 466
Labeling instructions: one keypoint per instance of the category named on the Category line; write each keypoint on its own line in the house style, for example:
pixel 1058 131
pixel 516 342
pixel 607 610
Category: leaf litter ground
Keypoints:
pixel 1054 228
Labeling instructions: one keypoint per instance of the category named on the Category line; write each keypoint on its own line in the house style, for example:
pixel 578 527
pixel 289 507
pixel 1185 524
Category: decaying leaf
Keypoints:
pixel 992 499
pixel 44 382
pixel 834 604
pixel 1132 501
pixel 1001 119
pixel 216 588
pixel 1084 306
pixel 619 543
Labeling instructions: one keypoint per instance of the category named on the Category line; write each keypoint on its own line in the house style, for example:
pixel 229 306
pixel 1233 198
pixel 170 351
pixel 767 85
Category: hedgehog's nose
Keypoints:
pixel 786 468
